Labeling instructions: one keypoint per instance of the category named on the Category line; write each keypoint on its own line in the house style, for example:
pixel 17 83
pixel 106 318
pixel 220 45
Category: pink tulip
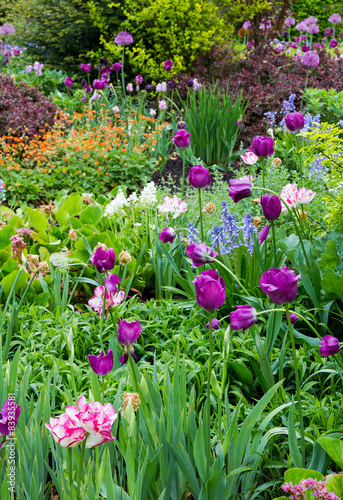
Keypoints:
pixel 294 197
pixel 249 158
pixel 112 300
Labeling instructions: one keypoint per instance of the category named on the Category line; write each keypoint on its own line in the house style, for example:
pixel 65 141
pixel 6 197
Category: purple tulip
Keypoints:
pixel 111 283
pixel 181 125
pixel 209 290
pixel 189 82
pixel 262 235
pixel 101 365
pixel 305 48
pixel 182 139
pixel 281 285
pixel 333 43
pixel 129 87
pixel 240 189
pixel 330 345
pixel 201 254
pixel 168 65
pixel 68 82
pixel 172 84
pixel 295 121
pixel 9 415
pixel 86 67
pixel 139 79
pixel 215 324
pixel 116 66
pixel 271 206
pixel 103 259
pixel 150 88
pixel 168 235
pixel 262 146
pixel 199 177
pixel 294 318
pixel 128 332
pixel 243 318
pixel 16 52
pixel 99 84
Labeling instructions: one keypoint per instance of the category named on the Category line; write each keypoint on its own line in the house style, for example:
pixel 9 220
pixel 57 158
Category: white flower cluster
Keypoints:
pixel 117 205
pixel 148 196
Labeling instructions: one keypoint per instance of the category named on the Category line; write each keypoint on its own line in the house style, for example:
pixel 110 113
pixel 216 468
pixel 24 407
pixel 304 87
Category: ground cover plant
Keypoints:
pixel 172 341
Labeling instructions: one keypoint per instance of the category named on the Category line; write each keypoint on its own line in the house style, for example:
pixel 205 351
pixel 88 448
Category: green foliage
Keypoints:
pixel 156 27
pixel 328 103
pixel 237 11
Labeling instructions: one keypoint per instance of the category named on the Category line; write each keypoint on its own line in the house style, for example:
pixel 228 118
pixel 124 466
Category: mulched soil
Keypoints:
pixel 173 167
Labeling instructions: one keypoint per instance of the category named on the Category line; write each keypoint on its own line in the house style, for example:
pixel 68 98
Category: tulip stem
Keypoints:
pixel 132 366
pixel 102 319
pixel 70 464
pixel 208 397
pixel 263 181
pixel 297 382
pixel 200 207
pixel 103 389
pixel 183 172
pixel 232 274
pixel 274 244
pixel 82 456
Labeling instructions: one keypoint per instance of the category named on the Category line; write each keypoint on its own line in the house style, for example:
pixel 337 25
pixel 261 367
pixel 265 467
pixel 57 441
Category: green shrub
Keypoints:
pixel 328 103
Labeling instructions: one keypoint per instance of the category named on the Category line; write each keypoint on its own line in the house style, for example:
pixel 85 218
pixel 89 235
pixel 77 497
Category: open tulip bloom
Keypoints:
pixel 101 365
pixel 209 290
pixel 329 345
pixel 281 285
pixel 240 189
pixel 103 260
pixel 201 254
pixel 128 333
pixel 243 318
pixel 7 420
pixel 112 300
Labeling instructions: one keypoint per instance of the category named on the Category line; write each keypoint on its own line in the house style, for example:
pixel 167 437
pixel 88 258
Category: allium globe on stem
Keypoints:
pixel 329 345
pixel 310 59
pixel 201 254
pixel 240 189
pixel 123 38
pixel 281 285
pixel 209 290
pixel 101 364
pixel 243 318
pixel 335 19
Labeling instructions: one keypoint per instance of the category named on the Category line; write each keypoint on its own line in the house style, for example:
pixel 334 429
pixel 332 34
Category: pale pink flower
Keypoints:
pixel 289 195
pixel 92 419
pixel 250 178
pixel 112 300
pixel 305 196
pixel 249 158
pixel 172 206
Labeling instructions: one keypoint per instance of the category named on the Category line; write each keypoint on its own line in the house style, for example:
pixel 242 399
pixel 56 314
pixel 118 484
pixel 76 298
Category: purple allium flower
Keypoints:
pixel 168 235
pixel 168 65
pixel 123 38
pixel 116 66
pixel 240 189
pixel 209 290
pixel 302 26
pixel 162 105
pixel 290 21
pixel 111 282
pixel 330 345
pixel 199 177
pixel 281 285
pixel 29 68
pixel 293 317
pixel 172 84
pixel 295 121
pixel 86 67
pixel 262 235
pixel 139 79
pixel 99 84
pixel 246 25
pixel 333 43
pixel 6 29
pixel 129 87
pixel 150 88
pixel 103 259
pixel 182 139
pixel 262 146
pixel 101 365
pixel 243 318
pixel 201 254
pixel 335 19
pixel 310 59
pixel 271 206
pixel 215 324
pixel 68 82
pixel 7 420
pixel 38 68
pixel 327 32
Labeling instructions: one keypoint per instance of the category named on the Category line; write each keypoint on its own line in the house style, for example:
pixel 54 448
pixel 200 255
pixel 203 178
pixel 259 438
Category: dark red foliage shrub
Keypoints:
pixel 265 77
pixel 24 110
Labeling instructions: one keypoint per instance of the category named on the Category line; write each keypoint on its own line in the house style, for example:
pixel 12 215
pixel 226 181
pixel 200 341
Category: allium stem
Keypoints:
pixel 122 73
pixel 200 208
pixel 208 397
pixel 297 383
pixel 183 172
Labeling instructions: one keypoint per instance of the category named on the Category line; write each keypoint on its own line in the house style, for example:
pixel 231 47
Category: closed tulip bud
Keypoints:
pixel 168 235
pixel 124 258
pixel 209 290
pixel 199 177
pixel 257 221
pixel 271 206
pixel 182 139
pixel 201 254
pixel 210 208
pixel 295 121
pixel 243 318
pixel 215 324
pixel 262 235
pixel 330 345
pixel 262 146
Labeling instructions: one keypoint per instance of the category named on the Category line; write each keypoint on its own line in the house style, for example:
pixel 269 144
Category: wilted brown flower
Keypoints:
pixel 124 258
pixel 42 267
pixel 187 242
pixel 47 208
pixel 257 221
pixel 303 216
pixel 210 208
pixel 135 401
pixel 88 200
pixel 32 262
pixel 73 234
pixel 257 201
pixel 277 162
pixel 100 245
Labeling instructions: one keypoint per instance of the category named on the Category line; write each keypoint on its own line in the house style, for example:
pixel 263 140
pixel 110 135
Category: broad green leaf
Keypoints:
pixel 294 476
pixel 37 220
pixel 5 235
pixel 242 372
pixel 73 204
pixel 8 281
pixel 334 483
pixel 330 257
pixel 334 448
pixel 91 215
